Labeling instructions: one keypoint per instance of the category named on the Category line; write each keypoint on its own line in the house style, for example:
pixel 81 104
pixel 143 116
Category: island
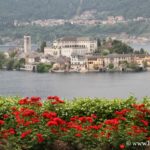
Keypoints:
pixel 76 55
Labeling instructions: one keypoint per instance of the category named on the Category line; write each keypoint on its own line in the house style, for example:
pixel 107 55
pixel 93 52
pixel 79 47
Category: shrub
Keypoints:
pixel 41 68
pixel 30 123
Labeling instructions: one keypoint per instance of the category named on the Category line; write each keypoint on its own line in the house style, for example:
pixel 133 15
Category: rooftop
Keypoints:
pixel 77 39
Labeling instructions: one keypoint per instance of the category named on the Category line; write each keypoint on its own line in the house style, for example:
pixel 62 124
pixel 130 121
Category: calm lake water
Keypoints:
pixel 108 85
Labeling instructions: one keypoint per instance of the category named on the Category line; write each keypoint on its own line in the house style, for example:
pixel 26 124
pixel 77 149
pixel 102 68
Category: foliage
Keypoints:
pixel 12 63
pixel 2 60
pixel 141 51
pixel 120 47
pixel 41 68
pixel 43 45
pixel 111 66
pixel 30 123
pixel 19 64
pixel 39 34
pixel 133 66
pixel 27 10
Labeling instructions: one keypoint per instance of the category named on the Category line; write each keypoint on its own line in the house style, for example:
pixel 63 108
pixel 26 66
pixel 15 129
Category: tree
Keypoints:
pixel 41 68
pixel 22 61
pixel 111 66
pixel 12 54
pixel 145 64
pixel 1 41
pixel 10 64
pixel 142 51
pixel 98 46
pixel 120 47
pixel 134 66
pixel 98 43
pixel 2 60
pixel 43 45
pixel 19 63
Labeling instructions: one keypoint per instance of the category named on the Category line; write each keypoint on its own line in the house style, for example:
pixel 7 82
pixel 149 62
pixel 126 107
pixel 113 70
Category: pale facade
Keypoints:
pixel 93 62
pixel 99 62
pixel 27 44
pixel 141 59
pixel 52 51
pixel 117 59
pixel 69 51
pixel 77 60
pixel 31 60
pixel 29 67
pixel 90 44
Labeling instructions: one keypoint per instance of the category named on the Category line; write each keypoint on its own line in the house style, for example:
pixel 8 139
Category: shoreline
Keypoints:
pixel 88 72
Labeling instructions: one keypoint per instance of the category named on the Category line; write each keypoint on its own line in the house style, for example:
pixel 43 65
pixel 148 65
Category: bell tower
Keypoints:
pixel 27 44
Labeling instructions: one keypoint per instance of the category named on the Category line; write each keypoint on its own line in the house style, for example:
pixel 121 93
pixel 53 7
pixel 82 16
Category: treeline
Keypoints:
pixel 11 62
pixel 109 46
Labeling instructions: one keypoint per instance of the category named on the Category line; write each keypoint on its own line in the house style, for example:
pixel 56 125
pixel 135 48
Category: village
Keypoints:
pixel 78 54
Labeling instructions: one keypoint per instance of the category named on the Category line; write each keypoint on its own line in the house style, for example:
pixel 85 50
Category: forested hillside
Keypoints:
pixel 37 9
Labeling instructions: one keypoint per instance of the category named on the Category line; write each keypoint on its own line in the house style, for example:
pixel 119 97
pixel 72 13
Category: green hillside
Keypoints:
pixel 27 10
pixel 37 9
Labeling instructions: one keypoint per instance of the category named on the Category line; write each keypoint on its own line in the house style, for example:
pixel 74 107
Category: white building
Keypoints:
pixel 77 42
pixel 68 45
pixel 52 51
pixel 27 44
pixel 69 51
pixel 78 60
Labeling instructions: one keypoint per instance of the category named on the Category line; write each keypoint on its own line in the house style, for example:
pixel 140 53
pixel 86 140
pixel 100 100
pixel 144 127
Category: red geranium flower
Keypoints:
pixel 1 122
pixel 78 135
pixel 144 122
pixel 5 116
pixel 40 138
pixel 122 146
pixel 52 123
pixel 35 99
pixel 112 121
pixel 24 134
pixel 11 131
pixel 122 112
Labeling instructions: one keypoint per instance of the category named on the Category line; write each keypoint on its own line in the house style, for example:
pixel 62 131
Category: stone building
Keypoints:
pixel 27 44
pixel 69 45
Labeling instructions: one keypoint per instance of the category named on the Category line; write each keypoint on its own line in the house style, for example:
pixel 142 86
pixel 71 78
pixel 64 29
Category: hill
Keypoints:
pixel 44 9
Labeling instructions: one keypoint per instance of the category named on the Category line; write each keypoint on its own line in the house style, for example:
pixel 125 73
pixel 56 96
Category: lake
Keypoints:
pixel 108 85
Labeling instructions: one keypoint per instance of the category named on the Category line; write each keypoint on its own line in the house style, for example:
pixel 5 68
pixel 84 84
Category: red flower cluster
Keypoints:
pixel 55 99
pixel 49 115
pixel 112 121
pixel 6 133
pixel 30 101
pixel 40 138
pixel 122 112
pixel 24 134
pixel 1 122
pixel 41 123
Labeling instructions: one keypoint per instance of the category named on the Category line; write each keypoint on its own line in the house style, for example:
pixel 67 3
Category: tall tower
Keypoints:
pixel 27 44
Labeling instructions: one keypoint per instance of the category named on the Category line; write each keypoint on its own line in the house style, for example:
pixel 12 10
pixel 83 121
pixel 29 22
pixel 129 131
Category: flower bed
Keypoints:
pixel 89 124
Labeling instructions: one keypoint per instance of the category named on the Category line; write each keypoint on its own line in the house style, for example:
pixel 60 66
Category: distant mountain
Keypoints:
pixel 44 9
